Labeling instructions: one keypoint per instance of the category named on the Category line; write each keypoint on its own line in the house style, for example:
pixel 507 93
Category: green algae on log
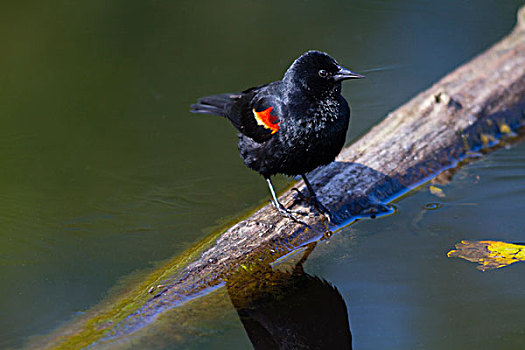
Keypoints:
pixel 468 110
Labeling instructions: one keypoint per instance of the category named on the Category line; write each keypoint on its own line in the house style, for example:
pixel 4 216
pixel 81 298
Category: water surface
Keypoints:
pixel 105 172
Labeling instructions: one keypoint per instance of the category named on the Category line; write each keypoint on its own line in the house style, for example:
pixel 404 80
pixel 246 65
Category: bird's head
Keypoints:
pixel 318 73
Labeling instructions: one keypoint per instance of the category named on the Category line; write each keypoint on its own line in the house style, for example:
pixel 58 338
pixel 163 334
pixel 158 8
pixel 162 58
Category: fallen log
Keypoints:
pixel 464 113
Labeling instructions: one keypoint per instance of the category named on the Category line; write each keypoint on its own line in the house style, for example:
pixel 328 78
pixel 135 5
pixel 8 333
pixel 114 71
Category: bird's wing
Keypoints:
pixel 255 114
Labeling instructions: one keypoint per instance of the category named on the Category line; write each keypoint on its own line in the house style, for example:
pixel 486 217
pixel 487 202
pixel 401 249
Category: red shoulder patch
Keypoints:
pixel 265 119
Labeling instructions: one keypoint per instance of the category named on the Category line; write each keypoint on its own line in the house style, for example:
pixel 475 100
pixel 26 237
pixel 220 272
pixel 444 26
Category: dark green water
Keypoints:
pixel 105 172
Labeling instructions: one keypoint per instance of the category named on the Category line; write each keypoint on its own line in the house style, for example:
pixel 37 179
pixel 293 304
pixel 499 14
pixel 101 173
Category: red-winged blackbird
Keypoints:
pixel 290 126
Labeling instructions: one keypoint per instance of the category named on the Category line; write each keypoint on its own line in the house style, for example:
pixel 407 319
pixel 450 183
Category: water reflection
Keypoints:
pixel 285 308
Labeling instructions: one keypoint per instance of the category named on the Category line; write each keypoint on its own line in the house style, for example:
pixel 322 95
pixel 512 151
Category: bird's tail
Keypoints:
pixel 214 104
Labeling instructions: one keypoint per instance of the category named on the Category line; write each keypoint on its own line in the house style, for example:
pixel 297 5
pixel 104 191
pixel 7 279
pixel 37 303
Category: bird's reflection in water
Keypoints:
pixel 289 309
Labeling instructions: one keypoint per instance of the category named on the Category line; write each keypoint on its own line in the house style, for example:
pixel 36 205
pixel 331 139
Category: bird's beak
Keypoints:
pixel 344 74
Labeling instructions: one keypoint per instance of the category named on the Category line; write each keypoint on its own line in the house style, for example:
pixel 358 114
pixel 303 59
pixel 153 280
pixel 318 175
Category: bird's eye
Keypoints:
pixel 323 73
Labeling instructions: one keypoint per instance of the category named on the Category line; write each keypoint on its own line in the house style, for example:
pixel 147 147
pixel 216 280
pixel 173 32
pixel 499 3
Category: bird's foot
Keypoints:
pixel 312 200
pixel 289 213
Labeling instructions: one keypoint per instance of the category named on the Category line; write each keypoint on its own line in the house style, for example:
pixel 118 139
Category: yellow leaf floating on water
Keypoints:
pixel 436 191
pixel 489 254
pixel 504 128
pixel 487 139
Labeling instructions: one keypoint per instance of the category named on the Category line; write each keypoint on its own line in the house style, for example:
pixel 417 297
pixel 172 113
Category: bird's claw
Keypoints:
pixel 289 213
pixel 312 199
pixel 300 194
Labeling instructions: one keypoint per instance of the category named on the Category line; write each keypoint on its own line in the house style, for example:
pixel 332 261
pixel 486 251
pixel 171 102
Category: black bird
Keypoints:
pixel 290 126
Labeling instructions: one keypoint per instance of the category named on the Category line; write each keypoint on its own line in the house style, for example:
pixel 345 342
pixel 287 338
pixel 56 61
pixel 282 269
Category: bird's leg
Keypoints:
pixel 312 198
pixel 281 208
